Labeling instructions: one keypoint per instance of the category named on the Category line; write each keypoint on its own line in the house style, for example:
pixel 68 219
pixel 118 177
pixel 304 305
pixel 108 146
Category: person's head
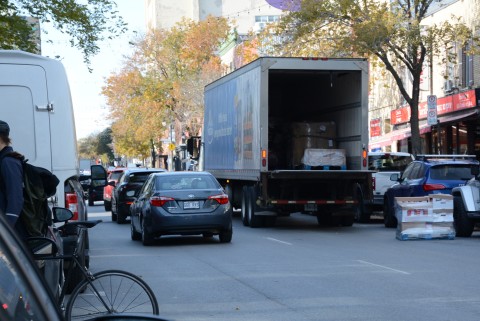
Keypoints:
pixel 4 133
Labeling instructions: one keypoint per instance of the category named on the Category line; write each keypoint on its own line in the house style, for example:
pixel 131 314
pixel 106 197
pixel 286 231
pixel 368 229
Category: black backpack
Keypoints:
pixel 38 185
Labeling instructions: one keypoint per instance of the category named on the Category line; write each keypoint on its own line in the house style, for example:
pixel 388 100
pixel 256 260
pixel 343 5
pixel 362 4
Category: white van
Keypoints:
pixel 36 103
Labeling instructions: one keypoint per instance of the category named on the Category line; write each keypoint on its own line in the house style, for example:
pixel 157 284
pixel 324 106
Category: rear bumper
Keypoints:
pixel 180 224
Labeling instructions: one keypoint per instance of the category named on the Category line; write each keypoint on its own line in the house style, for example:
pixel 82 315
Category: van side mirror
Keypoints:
pixel 98 175
pixel 61 214
pixel 42 247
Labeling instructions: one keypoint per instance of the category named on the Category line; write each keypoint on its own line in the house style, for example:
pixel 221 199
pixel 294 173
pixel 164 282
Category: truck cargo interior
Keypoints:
pixel 305 108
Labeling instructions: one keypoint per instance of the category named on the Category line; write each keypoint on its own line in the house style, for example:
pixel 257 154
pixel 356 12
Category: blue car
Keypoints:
pixel 428 174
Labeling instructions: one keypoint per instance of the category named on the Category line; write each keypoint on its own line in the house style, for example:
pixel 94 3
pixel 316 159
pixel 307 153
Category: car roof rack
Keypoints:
pixel 441 157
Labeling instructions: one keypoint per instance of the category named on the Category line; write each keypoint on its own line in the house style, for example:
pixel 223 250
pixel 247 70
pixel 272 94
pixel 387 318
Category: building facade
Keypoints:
pixel 454 87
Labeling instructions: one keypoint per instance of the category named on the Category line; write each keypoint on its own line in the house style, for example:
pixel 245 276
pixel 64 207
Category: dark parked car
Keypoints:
pixel 429 174
pixel 181 203
pixel 126 189
pixel 92 194
pixel 113 176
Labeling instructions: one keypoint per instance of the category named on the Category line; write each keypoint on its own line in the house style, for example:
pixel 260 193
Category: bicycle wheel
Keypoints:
pixel 109 292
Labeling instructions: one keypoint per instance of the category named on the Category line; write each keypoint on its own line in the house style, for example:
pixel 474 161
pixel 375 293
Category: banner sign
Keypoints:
pixel 445 105
pixel 375 127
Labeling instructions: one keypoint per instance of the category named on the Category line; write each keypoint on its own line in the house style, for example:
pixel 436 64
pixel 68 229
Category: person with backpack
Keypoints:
pixel 11 182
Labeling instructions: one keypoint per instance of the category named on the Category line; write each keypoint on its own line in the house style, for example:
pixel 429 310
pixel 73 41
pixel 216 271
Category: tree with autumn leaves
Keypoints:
pixel 162 84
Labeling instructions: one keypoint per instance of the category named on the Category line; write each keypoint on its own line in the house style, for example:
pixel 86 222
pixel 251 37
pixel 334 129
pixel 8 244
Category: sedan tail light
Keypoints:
pixel 221 199
pixel 160 200
pixel 71 202
pixel 432 187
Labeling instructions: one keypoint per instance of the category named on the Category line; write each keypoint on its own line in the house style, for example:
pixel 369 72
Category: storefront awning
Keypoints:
pixel 399 134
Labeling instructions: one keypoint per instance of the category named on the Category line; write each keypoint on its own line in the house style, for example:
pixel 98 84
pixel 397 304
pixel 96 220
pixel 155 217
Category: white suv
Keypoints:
pixel 385 164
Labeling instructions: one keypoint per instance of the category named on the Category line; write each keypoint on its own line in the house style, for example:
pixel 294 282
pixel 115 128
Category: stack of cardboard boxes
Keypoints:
pixel 426 217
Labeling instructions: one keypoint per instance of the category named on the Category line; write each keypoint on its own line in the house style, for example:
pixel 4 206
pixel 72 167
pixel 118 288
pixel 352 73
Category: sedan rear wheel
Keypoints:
pixel 225 236
pixel 147 238
pixel 121 217
pixel 136 236
pixel 107 205
pixel 463 225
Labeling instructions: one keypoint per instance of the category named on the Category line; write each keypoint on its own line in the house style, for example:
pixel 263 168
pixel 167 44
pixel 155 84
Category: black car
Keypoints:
pixel 92 194
pixel 181 203
pixel 126 189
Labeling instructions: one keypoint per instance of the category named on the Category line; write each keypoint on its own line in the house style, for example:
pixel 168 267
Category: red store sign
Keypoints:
pixel 445 105
pixel 375 127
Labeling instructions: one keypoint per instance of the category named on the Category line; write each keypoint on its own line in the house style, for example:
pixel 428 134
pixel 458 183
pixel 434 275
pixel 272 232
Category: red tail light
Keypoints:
pixel 71 202
pixel 160 200
pixel 373 183
pixel 221 199
pixel 432 187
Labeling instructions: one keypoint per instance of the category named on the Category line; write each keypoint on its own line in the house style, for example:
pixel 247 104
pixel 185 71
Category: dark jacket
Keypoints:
pixel 11 189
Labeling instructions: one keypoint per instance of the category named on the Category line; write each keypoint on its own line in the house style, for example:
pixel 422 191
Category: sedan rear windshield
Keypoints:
pixel 138 177
pixel 185 182
pixel 115 175
pixel 451 172
pixel 388 162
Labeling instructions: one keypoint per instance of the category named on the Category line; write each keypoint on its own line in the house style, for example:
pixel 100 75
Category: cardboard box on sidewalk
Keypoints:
pixel 418 219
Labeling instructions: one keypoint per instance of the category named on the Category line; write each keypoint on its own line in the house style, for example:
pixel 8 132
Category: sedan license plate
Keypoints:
pixel 191 205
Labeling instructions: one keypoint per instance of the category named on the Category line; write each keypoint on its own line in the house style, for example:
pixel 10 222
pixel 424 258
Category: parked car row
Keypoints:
pixel 434 174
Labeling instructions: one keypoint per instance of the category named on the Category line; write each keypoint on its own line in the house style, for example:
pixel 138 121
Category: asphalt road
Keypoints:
pixel 298 270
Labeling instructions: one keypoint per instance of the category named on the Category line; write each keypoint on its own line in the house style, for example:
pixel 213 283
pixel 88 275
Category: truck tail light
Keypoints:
pixel 373 183
pixel 364 157
pixel 71 202
pixel 264 158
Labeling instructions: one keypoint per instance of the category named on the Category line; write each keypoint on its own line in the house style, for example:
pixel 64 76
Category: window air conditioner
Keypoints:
pixel 448 85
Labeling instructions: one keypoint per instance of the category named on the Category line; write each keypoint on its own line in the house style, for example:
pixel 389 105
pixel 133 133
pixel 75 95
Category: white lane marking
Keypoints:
pixel 383 267
pixel 275 240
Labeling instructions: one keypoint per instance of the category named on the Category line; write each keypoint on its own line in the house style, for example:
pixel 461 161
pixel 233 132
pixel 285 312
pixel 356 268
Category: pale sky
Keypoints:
pixel 89 104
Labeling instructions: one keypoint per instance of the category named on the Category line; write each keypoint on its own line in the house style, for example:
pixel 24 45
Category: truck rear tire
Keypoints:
pixel 362 215
pixel 254 220
pixel 245 207
pixel 389 218
pixel 463 225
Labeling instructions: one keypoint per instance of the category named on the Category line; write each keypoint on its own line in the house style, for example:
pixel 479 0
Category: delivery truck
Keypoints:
pixel 287 135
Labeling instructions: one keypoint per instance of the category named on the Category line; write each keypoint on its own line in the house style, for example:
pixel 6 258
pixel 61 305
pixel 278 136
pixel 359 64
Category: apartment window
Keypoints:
pixel 467 68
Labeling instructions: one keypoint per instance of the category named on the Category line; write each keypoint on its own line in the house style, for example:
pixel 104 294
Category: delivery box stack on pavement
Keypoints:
pixel 425 217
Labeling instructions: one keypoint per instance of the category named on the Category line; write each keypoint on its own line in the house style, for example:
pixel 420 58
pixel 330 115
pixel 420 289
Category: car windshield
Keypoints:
pixel 388 162
pixel 184 182
pixel 451 172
